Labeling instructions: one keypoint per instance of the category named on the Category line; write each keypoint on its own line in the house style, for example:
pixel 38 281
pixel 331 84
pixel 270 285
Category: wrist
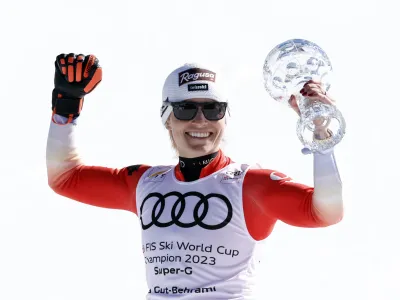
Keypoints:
pixel 66 106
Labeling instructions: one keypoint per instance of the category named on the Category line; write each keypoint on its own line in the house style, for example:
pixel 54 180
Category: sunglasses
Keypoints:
pixel 186 111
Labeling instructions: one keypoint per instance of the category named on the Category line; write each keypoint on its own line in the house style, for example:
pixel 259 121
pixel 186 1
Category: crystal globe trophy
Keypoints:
pixel 286 69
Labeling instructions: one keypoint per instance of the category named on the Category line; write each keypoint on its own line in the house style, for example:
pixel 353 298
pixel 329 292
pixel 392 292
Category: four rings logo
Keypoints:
pixel 196 74
pixel 200 210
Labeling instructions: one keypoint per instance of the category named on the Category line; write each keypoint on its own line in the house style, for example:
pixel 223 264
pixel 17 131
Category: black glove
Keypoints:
pixel 75 77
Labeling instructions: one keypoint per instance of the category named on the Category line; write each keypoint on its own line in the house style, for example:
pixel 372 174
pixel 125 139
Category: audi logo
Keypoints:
pixel 176 213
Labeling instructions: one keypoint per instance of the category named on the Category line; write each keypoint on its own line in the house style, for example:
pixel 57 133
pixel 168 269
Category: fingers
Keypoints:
pixel 78 67
pixel 66 65
pixel 90 64
pixel 70 67
pixel 77 75
pixel 313 90
pixel 310 87
pixel 61 63
pixel 319 96
pixel 75 68
pixel 92 70
pixel 97 76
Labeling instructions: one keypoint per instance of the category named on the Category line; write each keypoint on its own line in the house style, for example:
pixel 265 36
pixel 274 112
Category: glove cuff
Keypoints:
pixel 66 106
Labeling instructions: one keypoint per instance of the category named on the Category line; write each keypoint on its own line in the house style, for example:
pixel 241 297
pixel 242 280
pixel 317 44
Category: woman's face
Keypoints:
pixel 196 137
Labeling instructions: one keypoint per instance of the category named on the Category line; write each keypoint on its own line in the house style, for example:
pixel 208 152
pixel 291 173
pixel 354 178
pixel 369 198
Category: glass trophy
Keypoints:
pixel 286 69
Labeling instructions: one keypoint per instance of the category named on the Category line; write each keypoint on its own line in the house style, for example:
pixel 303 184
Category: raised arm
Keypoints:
pixel 272 196
pixel 67 174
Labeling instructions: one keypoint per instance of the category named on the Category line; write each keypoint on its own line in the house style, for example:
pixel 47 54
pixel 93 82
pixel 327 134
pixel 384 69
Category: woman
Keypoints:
pixel 203 218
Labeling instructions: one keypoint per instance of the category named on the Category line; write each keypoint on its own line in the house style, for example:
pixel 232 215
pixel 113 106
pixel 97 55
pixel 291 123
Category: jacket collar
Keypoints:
pixel 219 162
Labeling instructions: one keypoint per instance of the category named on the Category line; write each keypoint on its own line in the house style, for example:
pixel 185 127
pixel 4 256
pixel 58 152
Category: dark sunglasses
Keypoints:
pixel 186 110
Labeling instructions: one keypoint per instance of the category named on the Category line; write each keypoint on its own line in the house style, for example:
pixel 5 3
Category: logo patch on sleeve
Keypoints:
pixel 278 176
pixel 132 169
pixel 198 87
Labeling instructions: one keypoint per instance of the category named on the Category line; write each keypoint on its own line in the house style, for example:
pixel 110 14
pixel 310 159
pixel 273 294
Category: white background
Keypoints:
pixel 53 248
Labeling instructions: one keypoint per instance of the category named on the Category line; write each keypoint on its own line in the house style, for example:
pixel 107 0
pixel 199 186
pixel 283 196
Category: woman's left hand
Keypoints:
pixel 314 91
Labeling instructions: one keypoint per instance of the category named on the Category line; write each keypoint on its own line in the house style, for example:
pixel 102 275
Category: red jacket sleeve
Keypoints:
pixel 269 196
pixel 101 186
pixel 69 176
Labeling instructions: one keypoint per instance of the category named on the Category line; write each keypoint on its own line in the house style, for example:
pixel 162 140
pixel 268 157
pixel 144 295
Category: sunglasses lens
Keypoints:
pixel 214 111
pixel 185 111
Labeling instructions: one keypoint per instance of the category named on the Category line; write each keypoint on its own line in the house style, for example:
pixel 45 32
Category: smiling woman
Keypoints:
pixel 190 128
pixel 202 218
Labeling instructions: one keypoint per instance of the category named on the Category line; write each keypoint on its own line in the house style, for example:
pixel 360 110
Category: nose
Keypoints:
pixel 200 118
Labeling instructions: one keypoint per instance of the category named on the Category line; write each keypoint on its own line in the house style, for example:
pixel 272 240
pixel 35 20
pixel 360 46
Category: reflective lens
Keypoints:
pixel 214 111
pixel 186 111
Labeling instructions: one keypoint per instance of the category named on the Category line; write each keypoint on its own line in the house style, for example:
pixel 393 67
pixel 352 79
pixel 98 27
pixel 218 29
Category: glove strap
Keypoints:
pixel 66 107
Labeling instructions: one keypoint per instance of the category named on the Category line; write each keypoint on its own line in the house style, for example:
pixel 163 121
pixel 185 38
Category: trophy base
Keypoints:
pixel 330 117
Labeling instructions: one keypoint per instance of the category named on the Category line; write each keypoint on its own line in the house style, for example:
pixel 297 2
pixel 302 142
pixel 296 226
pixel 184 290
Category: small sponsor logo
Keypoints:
pixel 231 176
pixel 198 87
pixel 157 176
